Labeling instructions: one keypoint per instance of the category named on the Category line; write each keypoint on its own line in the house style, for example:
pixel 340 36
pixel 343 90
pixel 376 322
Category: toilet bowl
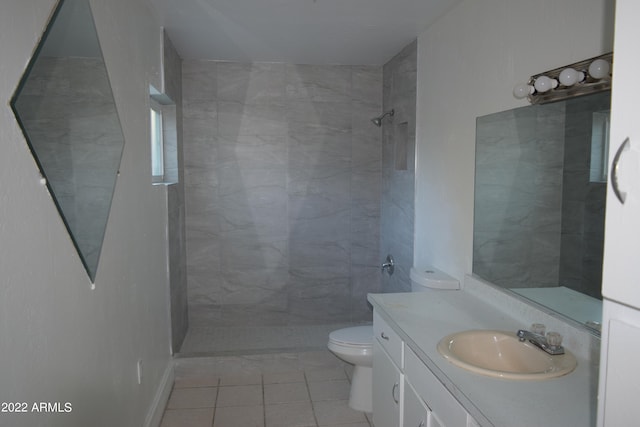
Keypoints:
pixel 355 344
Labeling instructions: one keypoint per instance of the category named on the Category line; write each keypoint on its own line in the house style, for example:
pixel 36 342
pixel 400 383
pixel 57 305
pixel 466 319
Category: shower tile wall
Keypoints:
pixel 398 174
pixel 583 200
pixel 282 192
pixel 516 232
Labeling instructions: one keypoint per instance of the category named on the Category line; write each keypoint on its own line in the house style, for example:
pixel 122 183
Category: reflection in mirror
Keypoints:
pixel 66 109
pixel 540 191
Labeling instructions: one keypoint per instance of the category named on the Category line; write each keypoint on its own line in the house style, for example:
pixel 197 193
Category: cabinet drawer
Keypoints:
pixel 389 340
pixel 445 408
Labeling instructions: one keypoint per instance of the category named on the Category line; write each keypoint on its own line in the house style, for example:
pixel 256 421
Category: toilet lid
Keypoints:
pixel 356 335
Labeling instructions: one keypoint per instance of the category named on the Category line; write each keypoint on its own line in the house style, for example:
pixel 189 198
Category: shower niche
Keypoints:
pixel 66 110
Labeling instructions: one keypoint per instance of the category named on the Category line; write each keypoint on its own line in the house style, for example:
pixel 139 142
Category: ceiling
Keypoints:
pixel 350 32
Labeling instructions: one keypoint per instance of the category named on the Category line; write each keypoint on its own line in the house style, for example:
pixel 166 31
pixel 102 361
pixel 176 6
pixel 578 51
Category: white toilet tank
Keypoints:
pixel 425 278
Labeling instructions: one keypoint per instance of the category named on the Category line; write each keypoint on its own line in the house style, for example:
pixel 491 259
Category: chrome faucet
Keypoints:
pixel 550 343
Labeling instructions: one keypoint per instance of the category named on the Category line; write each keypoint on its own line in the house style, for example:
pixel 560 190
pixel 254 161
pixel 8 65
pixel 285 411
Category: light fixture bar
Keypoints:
pixel 593 75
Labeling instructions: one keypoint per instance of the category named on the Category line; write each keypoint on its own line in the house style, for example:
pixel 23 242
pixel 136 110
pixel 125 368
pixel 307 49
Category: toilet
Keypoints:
pixel 355 344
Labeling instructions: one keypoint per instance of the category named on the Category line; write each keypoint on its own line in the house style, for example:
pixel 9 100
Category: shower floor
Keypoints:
pixel 236 340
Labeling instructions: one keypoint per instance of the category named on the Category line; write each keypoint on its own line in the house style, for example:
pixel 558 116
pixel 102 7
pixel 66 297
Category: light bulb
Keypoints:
pixel 599 69
pixel 569 77
pixel 521 90
pixel 545 84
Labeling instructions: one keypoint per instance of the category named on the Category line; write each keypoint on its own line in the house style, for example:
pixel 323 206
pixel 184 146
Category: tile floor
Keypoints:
pixel 300 390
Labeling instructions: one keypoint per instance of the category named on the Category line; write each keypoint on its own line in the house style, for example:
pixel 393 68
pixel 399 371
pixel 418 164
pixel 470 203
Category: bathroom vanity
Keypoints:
pixel 414 386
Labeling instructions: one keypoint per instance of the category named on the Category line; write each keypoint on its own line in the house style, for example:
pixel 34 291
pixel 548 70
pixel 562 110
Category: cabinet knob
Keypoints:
pixel 383 336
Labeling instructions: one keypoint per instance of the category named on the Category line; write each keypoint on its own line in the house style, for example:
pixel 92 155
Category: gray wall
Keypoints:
pixel 282 192
pixel 398 167
pixel 176 234
pixel 65 339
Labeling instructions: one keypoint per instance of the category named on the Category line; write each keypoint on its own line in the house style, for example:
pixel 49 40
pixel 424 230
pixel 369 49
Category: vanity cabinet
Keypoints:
pixel 620 349
pixel 388 380
pixel 415 412
pixel 405 392
pixel 387 388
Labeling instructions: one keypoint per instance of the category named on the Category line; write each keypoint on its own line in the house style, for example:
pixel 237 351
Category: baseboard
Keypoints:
pixel 154 416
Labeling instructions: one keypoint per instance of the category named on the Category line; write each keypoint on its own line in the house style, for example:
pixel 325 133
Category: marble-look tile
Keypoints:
pixel 319 83
pixel 200 153
pixel 285 244
pixel 199 80
pixel 252 152
pixel 264 287
pixel 235 119
pixel 366 84
pixel 251 83
pixel 319 150
pixel 319 118
pixel 397 187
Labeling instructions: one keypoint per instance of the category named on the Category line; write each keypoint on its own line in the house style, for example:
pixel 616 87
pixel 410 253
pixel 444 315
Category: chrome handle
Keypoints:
pixel 389 265
pixel 621 195
pixel 383 336
pixel 393 393
pixel 421 424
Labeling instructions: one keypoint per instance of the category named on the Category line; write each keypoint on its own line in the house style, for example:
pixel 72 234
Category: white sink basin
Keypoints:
pixel 500 354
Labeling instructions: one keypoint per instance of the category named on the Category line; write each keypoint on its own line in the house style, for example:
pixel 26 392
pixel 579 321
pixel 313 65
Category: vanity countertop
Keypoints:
pixel 422 319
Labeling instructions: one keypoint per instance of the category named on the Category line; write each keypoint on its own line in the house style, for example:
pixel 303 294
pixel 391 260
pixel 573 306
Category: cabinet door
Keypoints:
pixel 621 268
pixel 415 413
pixel 387 389
pixel 619 374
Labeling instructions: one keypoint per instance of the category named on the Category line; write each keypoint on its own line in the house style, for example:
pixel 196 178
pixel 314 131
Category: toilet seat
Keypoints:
pixel 356 336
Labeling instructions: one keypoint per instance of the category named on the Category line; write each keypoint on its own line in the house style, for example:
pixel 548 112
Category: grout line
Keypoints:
pixel 264 403
pixel 215 404
pixel 313 408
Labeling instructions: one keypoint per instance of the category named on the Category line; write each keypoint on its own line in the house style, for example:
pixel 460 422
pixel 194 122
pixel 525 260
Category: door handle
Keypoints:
pixel 393 393
pixel 621 195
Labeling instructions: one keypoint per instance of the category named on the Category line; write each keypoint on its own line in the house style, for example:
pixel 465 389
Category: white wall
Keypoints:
pixel 61 341
pixel 468 63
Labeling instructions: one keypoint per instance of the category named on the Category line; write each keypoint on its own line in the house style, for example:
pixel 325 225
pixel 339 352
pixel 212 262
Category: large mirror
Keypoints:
pixel 540 188
pixel 66 110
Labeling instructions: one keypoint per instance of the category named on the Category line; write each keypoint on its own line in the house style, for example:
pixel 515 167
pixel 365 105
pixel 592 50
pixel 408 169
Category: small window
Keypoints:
pixel 157 143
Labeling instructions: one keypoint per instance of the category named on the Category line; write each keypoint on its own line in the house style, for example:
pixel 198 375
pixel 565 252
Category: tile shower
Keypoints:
pixel 398 167
pixel 282 185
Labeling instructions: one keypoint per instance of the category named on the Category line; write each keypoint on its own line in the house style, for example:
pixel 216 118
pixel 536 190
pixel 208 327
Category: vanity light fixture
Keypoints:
pixel 581 78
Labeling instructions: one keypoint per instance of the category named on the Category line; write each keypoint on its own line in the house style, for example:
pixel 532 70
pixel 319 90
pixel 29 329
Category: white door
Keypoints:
pixel 619 385
pixel 415 411
pixel 619 373
pixel 621 269
pixel 387 389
